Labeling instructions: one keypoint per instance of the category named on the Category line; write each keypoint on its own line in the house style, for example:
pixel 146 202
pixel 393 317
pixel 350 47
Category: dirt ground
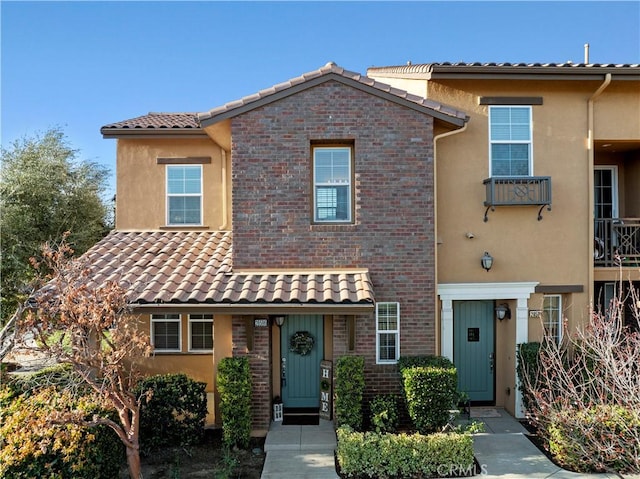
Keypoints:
pixel 204 461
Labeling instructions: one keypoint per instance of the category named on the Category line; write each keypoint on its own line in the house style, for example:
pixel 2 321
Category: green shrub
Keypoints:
pixel 527 369
pixel 31 446
pixel 429 360
pixel 349 391
pixel 602 438
pixel 234 386
pixel 369 454
pixel 384 413
pixel 430 392
pixel 174 414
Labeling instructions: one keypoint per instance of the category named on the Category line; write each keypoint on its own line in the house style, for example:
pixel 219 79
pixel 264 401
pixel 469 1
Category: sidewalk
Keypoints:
pixel 503 452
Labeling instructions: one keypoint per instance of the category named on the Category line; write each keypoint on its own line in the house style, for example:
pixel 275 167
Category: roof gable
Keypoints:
pixel 332 72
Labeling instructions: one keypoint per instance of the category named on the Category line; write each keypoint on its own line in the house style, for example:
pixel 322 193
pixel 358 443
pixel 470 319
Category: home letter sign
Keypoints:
pixel 326 387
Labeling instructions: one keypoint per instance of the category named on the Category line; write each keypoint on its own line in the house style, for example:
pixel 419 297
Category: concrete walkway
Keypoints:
pixel 503 452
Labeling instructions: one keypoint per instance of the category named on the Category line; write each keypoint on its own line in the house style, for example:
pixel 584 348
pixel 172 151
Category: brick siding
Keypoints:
pixel 393 230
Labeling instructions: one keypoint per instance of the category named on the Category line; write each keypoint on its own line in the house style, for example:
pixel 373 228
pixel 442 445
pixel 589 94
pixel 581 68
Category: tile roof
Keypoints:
pixel 331 71
pixel 566 68
pixel 154 122
pixel 189 267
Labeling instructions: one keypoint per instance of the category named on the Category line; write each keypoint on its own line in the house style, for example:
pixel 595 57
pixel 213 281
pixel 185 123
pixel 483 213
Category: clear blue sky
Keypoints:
pixel 81 65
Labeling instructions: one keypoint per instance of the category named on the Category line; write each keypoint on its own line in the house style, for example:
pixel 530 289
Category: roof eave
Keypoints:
pixel 134 133
pixel 207 119
pixel 260 308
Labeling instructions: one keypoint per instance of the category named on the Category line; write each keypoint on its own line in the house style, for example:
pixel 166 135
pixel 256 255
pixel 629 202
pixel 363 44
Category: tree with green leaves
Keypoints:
pixel 44 192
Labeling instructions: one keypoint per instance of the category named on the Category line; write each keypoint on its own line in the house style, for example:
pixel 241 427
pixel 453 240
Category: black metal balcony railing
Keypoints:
pixel 616 242
pixel 518 191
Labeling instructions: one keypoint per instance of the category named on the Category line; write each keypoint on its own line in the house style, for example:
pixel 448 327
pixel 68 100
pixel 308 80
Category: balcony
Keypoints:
pixel 616 242
pixel 518 191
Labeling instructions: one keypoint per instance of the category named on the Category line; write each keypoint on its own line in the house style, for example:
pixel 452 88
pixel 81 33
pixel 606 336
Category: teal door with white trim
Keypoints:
pixel 474 348
pixel 300 365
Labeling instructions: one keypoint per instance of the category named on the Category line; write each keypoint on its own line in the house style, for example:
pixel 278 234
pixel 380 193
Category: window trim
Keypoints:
pixel 350 195
pixel 545 322
pixel 163 318
pixel 387 331
pixel 205 318
pixel 169 195
pixel 527 142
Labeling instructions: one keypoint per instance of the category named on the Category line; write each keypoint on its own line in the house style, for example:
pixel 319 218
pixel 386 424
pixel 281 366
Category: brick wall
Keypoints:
pixel 392 234
pixel 260 365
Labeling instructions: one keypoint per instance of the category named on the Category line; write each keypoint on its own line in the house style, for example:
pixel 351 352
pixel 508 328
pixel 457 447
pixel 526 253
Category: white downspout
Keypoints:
pixel 591 158
pixel 225 201
pixel 438 319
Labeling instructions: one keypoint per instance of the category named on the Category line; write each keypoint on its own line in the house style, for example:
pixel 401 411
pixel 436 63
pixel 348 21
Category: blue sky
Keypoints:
pixel 81 65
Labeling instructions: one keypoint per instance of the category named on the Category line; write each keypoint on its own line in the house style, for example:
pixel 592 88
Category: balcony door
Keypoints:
pixel 605 181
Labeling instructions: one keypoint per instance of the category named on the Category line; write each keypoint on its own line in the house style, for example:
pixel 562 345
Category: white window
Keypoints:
pixel 510 141
pixel 184 195
pixel 201 332
pixel 552 316
pixel 166 334
pixel 332 184
pixel 387 333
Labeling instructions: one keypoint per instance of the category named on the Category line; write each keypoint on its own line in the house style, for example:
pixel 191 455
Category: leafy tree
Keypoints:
pixel 90 327
pixel 44 192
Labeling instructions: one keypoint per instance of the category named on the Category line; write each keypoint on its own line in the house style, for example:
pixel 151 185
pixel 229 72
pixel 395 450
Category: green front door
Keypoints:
pixel 474 348
pixel 301 372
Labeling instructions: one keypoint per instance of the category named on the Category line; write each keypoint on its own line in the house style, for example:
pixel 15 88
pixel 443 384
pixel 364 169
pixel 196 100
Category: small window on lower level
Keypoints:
pixel 552 319
pixel 166 335
pixel 200 332
pixel 387 333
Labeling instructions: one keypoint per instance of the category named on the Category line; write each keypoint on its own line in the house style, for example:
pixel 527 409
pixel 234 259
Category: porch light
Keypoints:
pixel 279 320
pixel 486 261
pixel 503 312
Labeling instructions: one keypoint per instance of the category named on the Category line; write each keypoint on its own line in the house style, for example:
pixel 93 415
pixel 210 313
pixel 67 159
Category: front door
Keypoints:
pixel 473 349
pixel 301 365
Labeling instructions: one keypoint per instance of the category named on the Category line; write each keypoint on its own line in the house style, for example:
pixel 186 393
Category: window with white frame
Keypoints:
pixel 332 184
pixel 552 316
pixel 201 332
pixel 510 139
pixel 166 333
pixel 184 194
pixel 387 332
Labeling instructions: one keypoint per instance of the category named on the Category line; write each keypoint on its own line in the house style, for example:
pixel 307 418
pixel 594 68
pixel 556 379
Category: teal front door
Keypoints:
pixel 474 349
pixel 301 369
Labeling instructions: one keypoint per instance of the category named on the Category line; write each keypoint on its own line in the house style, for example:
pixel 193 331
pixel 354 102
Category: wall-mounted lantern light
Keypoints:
pixel 503 312
pixel 486 261
pixel 279 320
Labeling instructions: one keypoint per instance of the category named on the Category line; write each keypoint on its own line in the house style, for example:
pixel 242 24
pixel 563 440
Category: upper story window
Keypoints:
pixel 332 184
pixel 510 141
pixel 387 333
pixel 184 194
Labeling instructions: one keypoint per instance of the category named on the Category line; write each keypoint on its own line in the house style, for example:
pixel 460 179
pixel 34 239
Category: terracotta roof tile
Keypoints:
pixel 196 267
pixel 155 122
pixel 329 68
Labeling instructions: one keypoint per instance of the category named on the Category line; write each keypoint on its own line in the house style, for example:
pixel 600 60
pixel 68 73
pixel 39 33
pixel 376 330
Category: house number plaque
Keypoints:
pixel 326 386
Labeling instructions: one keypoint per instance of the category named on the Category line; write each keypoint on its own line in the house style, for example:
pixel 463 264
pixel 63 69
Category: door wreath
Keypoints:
pixel 301 343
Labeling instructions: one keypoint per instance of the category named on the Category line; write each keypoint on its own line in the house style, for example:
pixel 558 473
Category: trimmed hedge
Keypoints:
pixel 431 392
pixel 175 413
pixel 527 369
pixel 429 360
pixel 602 438
pixel 349 391
pixel 234 386
pixel 374 455
pixel 384 413
pixel 30 446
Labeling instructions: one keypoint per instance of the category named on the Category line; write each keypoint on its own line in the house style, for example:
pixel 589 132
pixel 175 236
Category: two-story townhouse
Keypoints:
pixel 545 180
pixel 303 211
